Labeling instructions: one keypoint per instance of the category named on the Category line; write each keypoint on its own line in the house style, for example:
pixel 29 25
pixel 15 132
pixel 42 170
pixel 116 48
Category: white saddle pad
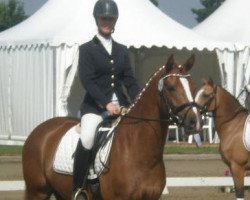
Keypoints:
pixel 63 161
pixel 246 134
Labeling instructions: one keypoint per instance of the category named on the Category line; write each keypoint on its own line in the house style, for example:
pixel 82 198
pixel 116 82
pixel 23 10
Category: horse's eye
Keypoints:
pixel 204 95
pixel 170 88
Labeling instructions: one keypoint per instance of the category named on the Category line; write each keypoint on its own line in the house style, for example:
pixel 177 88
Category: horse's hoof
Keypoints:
pixel 80 194
pixel 81 197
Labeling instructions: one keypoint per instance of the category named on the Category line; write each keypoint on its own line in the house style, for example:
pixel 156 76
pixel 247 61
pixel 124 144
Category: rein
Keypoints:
pixel 124 114
pixel 145 119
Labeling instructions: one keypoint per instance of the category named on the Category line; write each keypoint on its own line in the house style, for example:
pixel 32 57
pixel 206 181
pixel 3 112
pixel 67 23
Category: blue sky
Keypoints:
pixel 179 10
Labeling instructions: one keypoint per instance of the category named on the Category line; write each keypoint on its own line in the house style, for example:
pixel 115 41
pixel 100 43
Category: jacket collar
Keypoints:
pixel 99 45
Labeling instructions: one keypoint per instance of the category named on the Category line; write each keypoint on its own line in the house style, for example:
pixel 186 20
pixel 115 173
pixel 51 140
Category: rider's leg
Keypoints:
pixel 89 123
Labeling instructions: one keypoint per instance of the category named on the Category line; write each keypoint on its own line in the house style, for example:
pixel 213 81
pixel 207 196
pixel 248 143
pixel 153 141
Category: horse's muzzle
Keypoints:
pixel 192 125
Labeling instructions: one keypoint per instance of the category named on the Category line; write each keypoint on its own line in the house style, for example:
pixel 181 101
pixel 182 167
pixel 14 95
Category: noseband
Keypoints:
pixel 173 111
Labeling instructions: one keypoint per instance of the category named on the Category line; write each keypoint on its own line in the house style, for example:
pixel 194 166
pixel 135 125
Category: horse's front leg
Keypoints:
pixel 238 173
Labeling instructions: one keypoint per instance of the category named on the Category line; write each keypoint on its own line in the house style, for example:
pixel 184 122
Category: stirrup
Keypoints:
pixel 82 192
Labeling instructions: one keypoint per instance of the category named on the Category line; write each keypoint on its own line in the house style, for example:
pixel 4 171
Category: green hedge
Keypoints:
pixel 169 149
pixel 191 150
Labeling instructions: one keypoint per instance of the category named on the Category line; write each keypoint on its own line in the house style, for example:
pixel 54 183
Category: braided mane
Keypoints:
pixel 138 97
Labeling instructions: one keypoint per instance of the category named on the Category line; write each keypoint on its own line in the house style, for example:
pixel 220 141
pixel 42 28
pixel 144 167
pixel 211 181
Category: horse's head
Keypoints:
pixel 177 91
pixel 205 97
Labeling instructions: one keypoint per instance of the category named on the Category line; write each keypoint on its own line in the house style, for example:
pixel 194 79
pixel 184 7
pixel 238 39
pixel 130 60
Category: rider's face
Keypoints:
pixel 106 25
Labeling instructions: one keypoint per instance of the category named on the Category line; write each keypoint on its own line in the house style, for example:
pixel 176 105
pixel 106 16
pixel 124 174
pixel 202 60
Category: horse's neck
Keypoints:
pixel 147 103
pixel 147 129
pixel 227 107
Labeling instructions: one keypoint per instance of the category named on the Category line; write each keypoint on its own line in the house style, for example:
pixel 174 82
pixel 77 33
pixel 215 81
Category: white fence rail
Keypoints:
pixel 11 185
pixel 171 182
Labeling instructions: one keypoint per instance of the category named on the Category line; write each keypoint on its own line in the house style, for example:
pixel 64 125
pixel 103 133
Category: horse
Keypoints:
pixel 135 169
pixel 229 119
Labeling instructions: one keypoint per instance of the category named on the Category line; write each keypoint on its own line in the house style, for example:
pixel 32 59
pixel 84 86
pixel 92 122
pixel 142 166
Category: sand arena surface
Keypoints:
pixel 176 166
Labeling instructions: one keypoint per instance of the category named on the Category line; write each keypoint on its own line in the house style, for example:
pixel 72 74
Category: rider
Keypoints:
pixel 104 68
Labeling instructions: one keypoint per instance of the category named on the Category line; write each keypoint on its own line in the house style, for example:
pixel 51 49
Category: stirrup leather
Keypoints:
pixel 81 191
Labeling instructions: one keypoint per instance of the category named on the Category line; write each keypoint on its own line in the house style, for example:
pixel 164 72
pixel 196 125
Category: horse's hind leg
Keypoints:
pixel 58 197
pixel 36 186
pixel 36 194
pixel 238 173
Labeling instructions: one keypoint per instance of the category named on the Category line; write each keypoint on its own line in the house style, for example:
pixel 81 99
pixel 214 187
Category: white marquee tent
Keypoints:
pixel 230 23
pixel 38 57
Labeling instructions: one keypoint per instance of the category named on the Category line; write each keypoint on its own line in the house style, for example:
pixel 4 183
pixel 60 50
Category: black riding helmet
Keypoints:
pixel 105 8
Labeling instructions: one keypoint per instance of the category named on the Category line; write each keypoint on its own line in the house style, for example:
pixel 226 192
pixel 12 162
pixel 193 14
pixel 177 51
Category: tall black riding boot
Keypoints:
pixel 80 169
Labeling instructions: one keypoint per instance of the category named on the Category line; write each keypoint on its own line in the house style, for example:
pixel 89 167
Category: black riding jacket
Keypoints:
pixel 103 74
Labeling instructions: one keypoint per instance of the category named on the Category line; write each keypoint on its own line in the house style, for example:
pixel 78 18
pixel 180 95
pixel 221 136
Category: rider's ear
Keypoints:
pixel 170 63
pixel 189 63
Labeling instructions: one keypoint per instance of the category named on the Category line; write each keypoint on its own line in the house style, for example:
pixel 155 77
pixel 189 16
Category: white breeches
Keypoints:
pixel 89 123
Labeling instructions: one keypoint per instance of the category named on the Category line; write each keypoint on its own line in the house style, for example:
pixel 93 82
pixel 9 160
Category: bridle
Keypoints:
pixel 173 111
pixel 204 109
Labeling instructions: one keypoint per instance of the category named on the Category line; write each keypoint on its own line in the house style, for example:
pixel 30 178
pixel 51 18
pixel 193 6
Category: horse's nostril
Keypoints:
pixel 192 122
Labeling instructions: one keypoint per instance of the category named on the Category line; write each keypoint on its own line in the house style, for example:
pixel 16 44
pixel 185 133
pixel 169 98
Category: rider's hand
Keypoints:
pixel 113 109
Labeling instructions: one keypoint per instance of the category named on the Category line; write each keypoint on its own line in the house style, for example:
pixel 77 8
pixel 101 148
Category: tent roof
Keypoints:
pixel 71 22
pixel 228 23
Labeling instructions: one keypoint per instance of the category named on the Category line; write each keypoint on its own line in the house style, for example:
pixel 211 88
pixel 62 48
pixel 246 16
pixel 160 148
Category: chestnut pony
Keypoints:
pixel 229 117
pixel 136 169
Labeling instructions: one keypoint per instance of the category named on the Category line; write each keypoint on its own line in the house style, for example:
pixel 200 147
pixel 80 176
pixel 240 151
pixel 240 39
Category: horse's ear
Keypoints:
pixel 210 81
pixel 189 63
pixel 204 81
pixel 170 63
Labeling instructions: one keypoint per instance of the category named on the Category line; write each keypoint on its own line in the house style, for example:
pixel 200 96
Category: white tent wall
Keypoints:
pixel 27 97
pixel 34 87
pixel 66 61
pixel 242 73
pixel 227 65
pixel 4 95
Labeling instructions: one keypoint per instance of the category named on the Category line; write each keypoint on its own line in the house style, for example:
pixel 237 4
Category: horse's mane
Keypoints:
pixel 152 77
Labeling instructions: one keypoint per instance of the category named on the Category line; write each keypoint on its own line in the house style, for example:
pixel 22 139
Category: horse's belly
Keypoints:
pixel 132 187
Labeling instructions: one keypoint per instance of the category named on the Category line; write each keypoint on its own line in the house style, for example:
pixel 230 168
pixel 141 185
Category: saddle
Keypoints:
pixel 246 134
pixel 64 157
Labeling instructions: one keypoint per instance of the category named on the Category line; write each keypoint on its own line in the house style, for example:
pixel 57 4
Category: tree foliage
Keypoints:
pixel 11 13
pixel 209 7
pixel 155 2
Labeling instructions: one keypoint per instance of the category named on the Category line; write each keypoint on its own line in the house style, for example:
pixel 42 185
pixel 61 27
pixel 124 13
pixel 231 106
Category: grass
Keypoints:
pixel 191 149
pixel 170 148
pixel 6 150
